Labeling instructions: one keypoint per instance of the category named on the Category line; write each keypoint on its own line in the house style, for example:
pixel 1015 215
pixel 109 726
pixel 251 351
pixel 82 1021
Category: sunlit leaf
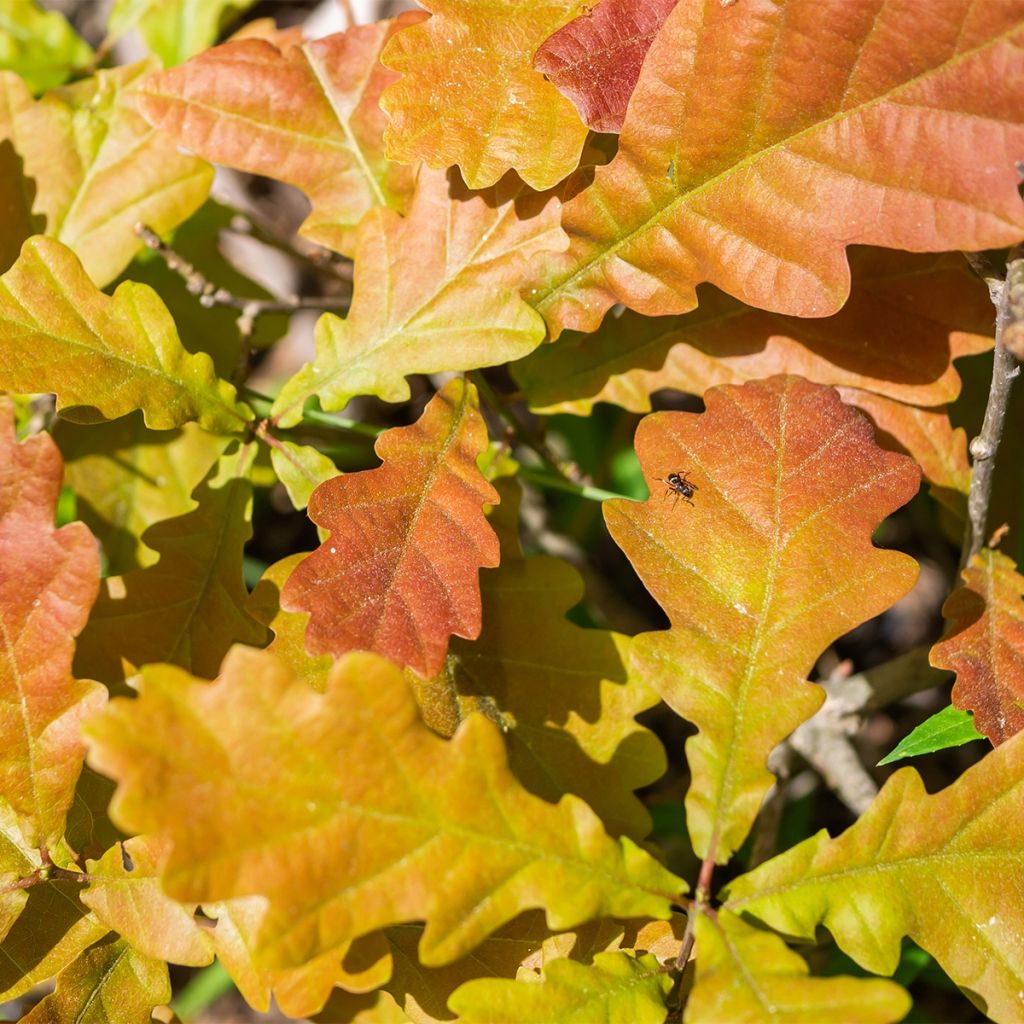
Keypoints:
pixel 595 59
pixel 132 903
pixel 942 869
pixel 616 988
pixel 189 607
pixel 947 728
pixel 39 45
pixel 984 644
pixel 427 829
pixel 398 573
pixel 174 29
pixel 469 94
pixel 18 860
pixel 48 582
pixel 127 478
pixel 744 974
pixel 306 114
pixel 111 355
pixel 771 563
pixel 110 981
pixel 301 468
pixel 437 290
pixel 739 167
pixel 98 167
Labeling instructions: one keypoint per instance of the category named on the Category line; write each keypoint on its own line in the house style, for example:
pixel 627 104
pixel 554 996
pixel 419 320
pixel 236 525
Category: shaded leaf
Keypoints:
pixel 39 45
pixel 16 195
pixel 738 167
pixel 435 291
pixel 59 333
pixel 595 60
pixel 908 317
pixel 771 564
pixel 189 607
pixel 942 869
pixel 947 728
pixel 469 94
pixel 173 29
pixel 98 167
pixel 398 573
pixel 301 468
pixel 984 645
pixel 18 860
pixel 133 904
pixel 306 114
pixel 110 981
pixel 616 988
pixel 127 478
pixel 748 975
pixel 427 829
pixel 48 582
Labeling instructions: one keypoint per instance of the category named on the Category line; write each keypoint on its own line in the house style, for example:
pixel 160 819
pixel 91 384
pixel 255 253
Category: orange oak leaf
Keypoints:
pixel 908 317
pixel 399 572
pixel 763 138
pixel 595 60
pixel 435 291
pixel 48 581
pixel 984 645
pixel 470 96
pixel 426 829
pixel 98 167
pixel 772 562
pixel 306 114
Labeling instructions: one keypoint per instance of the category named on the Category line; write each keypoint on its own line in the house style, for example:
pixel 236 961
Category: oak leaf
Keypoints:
pixel 48 582
pixel 189 607
pixel 398 571
pixel 745 974
pixel 16 194
pixel 98 167
pixel 617 988
pixel 595 60
pixel 39 45
pixel 772 562
pixel 943 869
pixel 305 114
pixel 984 645
pixel 301 468
pixel 59 333
pixel 469 94
pixel 110 981
pixel 427 829
pixel 435 291
pixel 758 188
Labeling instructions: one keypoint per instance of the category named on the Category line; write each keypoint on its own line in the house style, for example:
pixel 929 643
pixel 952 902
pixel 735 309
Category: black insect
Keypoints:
pixel 679 485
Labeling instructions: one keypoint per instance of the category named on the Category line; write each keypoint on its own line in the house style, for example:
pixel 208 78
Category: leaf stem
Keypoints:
pixel 985 446
pixel 559 483
pixel 324 419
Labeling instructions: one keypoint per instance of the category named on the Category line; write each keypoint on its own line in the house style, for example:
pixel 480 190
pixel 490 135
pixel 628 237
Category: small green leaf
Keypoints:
pixel 39 45
pixel 949 727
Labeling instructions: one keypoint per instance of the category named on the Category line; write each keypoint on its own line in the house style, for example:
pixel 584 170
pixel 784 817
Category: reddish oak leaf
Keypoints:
pixel 763 138
pixel 398 574
pixel 772 562
pixel 595 60
pixel 48 581
pixel 305 114
pixel 984 645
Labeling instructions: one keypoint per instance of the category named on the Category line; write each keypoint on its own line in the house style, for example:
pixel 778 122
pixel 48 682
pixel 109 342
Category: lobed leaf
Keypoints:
pixel 764 138
pixel 425 830
pixel 39 45
pixel 595 59
pixel 469 94
pixel 617 988
pixel 48 583
pixel 98 168
pixel 398 573
pixel 942 869
pixel 744 974
pixel 189 607
pixel 984 645
pixel 771 564
pixel 59 333
pixel 435 291
pixel 307 114
pixel 110 981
